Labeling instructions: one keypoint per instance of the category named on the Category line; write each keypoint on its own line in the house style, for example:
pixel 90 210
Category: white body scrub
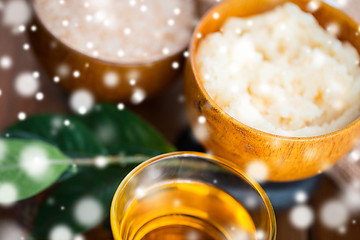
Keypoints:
pixel 282 73
pixel 129 31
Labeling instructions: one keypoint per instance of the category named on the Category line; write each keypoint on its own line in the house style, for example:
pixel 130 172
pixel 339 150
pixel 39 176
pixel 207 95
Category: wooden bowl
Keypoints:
pixel 152 76
pixel 287 158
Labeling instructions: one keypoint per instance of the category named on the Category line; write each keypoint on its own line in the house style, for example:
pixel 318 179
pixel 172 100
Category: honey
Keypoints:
pixel 185 210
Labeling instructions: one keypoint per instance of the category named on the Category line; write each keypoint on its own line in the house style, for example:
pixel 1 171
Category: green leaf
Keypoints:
pixel 122 132
pixel 75 139
pixel 105 131
pixel 98 185
pixel 28 167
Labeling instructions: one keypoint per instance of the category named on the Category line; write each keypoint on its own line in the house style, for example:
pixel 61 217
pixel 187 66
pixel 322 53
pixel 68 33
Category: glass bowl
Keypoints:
pixel 190 195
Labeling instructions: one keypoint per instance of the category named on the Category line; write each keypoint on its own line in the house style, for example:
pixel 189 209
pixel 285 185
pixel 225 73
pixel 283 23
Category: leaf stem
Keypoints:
pixel 99 160
pixel 96 161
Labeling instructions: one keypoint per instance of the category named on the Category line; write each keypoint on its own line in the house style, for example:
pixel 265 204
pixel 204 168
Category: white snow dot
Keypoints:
pixel 107 22
pixel 192 235
pixel 260 234
pixel 61 232
pixel 132 2
pixel 138 96
pixel 258 170
pixel 89 18
pixel 121 106
pixel 101 162
pixel 301 197
pixel 341 3
pixel 199 35
pixel 79 237
pixel 26 46
pixel 334 214
pixel 143 8
pixel 165 51
pixel 90 45
pixel 171 22
pixel 21 116
pixel 63 70
pixel 111 79
pixel 354 155
pixel 33 28
pixel 67 122
pixel 201 132
pixel 8 194
pixel 120 53
pixel 56 79
pixel 202 119
pixel 76 74
pixel 154 173
pixel 127 31
pixel 250 23
pixel 333 29
pixel 95 53
pixel 39 96
pixel 175 65
pixel 65 23
pixel 81 101
pixel 140 192
pixel 88 212
pixel 34 161
pixel 22 28
pixel 186 54
pixel 342 230
pixel 251 202
pixel 16 12
pixel 301 217
pixel 132 82
pixel 351 197
pixel 177 11
pixel 356 184
pixel 313 6
pixel 50 201
pixel 5 62
pixel 238 31
pixel 177 202
pixel 26 85
pixel 216 15
pixel 36 74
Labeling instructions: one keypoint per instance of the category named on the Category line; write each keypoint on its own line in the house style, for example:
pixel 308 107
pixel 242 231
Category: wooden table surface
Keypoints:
pixel 165 112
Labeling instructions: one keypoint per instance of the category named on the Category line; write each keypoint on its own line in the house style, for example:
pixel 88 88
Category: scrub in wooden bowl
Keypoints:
pixel 115 48
pixel 271 86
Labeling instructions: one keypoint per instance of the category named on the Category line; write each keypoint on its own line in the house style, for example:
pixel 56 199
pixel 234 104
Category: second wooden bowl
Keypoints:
pixel 151 77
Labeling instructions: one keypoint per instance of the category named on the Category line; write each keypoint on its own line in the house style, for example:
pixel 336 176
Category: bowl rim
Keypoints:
pixel 192 56
pixel 211 158
pixel 150 62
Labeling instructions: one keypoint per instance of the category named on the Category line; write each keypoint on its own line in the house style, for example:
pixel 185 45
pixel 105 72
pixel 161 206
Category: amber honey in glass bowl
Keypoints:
pixel 189 195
